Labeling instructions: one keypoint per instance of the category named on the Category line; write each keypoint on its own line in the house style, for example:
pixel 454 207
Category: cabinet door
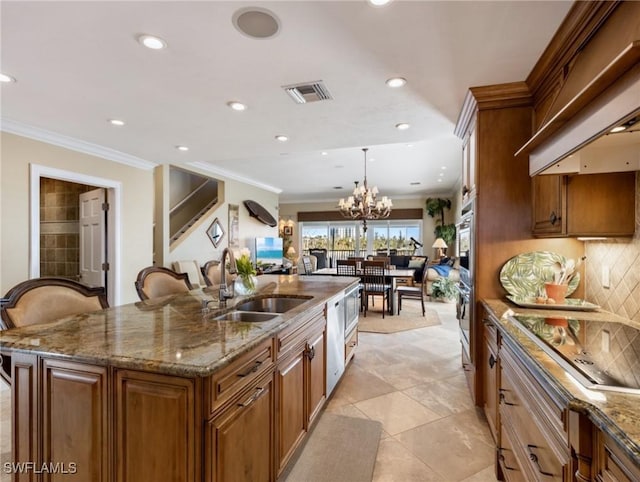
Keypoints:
pixel 548 205
pixel 490 387
pixel 239 441
pixel 316 375
pixel 74 420
pixel 291 410
pixel 155 428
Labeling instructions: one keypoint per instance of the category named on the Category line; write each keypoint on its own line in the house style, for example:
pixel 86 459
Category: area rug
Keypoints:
pixel 339 449
pixel 409 318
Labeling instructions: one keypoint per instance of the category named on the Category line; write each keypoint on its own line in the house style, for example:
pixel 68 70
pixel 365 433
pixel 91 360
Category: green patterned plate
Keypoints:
pixel 524 275
pixel 569 304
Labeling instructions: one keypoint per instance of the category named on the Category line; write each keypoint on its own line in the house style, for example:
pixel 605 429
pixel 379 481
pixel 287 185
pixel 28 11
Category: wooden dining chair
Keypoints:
pixel 42 300
pixel 413 292
pixel 374 283
pixel 347 267
pixel 156 281
pixel 211 273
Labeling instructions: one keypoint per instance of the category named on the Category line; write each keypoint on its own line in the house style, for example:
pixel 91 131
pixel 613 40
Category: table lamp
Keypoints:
pixel 439 244
pixel 291 254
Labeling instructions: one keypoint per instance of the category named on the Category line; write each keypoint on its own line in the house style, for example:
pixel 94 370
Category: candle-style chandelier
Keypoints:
pixel 364 204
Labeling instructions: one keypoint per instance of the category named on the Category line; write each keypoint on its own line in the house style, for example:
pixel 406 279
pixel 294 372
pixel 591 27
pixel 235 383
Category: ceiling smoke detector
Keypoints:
pixel 308 92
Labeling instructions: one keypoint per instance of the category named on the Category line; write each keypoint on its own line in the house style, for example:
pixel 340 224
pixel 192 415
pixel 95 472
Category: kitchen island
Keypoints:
pixel 159 390
pixel 546 424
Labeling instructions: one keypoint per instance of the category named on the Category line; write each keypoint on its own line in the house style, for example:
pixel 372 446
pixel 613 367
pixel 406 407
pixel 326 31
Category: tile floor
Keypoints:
pixel 410 381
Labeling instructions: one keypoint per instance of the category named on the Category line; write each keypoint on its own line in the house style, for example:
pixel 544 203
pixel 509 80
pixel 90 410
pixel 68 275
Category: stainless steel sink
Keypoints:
pixel 271 304
pixel 246 316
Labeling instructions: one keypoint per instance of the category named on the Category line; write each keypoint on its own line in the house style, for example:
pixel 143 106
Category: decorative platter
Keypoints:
pixel 575 304
pixel 524 275
pixel 260 213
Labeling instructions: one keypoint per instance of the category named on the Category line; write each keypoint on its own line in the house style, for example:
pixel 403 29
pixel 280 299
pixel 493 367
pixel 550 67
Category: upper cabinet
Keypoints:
pixel 469 163
pixel 564 205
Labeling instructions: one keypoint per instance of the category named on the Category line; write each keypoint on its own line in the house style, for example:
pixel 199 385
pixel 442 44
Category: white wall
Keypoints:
pixel 16 155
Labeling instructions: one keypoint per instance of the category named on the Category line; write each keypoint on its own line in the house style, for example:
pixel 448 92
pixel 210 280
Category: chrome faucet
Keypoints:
pixel 225 292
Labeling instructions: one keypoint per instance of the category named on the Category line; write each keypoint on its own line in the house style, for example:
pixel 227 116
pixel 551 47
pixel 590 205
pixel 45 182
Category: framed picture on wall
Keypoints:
pixel 287 230
pixel 234 221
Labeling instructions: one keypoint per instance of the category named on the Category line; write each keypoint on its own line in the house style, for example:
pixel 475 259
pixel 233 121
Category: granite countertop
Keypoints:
pixel 170 334
pixel 614 413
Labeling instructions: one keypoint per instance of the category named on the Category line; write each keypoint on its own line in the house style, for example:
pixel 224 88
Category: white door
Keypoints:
pixel 92 238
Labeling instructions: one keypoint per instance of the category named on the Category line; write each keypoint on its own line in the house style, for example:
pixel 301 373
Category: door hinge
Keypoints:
pixel 105 266
pixel 105 206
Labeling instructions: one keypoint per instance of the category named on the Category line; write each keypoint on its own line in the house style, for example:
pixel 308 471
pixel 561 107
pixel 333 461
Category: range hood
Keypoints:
pixel 611 96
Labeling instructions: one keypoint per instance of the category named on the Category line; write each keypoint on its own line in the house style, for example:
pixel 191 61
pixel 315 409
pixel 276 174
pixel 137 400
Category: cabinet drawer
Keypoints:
pixel 235 377
pixel 540 456
pixel 507 458
pixel 291 336
pixel 350 345
pixel 542 403
pixel 615 466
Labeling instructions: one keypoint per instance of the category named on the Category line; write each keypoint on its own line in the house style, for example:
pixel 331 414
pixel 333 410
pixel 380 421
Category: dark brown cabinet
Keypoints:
pixel 490 363
pixel 565 205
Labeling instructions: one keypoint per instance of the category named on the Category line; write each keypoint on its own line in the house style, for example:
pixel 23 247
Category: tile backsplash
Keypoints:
pixel 622 257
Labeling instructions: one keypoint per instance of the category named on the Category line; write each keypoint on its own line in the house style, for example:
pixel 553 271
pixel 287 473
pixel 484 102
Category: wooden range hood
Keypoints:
pixel 595 86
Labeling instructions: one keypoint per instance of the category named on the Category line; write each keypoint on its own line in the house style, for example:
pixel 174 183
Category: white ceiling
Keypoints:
pixel 78 64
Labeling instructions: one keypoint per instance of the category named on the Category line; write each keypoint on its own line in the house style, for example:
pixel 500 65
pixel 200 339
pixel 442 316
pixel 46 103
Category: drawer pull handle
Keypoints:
pixel 503 459
pixel 353 343
pixel 503 398
pixel 252 398
pixel 492 361
pixel 251 370
pixel 534 459
pixel 310 352
pixel 553 218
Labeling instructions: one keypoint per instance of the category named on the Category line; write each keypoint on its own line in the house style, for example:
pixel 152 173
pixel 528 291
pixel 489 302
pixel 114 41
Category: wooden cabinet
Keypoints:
pixel 533 419
pixel 490 362
pixel 469 156
pixel 612 464
pixel 74 419
pixel 155 427
pixel 301 384
pixel 240 439
pixel 564 205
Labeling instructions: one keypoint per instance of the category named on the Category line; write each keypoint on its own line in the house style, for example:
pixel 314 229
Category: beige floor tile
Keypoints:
pixel 359 384
pixel 397 412
pixel 395 463
pixel 348 410
pixel 486 475
pixel 443 397
pixel 447 442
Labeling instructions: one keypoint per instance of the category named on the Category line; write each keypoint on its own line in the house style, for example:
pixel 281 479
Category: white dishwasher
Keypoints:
pixel 335 341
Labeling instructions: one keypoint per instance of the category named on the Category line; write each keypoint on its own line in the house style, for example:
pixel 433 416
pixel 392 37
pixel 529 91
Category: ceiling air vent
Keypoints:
pixel 308 92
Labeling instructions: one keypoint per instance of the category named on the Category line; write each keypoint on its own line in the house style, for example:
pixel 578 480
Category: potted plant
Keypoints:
pixel 435 208
pixel 444 289
pixel 245 283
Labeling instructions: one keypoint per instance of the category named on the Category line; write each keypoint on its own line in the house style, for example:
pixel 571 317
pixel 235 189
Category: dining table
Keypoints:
pixel 394 274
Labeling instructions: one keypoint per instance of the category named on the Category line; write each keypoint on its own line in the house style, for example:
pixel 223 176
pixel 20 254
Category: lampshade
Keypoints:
pixel 439 243
pixel 291 251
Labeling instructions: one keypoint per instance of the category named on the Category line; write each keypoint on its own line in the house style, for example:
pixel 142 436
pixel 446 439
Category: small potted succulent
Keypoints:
pixel 444 289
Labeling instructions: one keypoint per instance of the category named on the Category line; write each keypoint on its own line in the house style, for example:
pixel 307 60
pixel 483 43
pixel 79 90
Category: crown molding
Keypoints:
pixel 205 166
pixel 43 135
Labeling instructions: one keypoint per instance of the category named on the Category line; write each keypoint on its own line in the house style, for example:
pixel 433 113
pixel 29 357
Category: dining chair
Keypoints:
pixel 321 256
pixel 413 292
pixel 374 284
pixel 156 281
pixel 211 273
pixel 42 300
pixel 347 267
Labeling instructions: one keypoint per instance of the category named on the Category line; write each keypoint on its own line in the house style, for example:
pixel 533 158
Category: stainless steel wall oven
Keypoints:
pixel 465 305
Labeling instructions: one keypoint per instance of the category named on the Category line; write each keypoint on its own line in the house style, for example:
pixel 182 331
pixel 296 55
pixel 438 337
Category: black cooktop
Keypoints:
pixel 602 355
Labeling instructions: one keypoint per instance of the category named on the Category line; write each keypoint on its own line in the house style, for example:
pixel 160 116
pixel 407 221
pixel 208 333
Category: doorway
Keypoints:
pixel 67 245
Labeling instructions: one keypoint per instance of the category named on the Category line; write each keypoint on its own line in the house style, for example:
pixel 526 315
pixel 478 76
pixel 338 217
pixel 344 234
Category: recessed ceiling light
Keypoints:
pixel 409 146
pixel 282 138
pixel 338 166
pixel 396 82
pixel 182 148
pixel 152 42
pixel 618 129
pixel 116 122
pixel 379 3
pixel 403 126
pixel 439 180
pixel 443 167
pixel 239 106
pixel 441 174
pixel 324 153
pixel 6 78
pixel 372 159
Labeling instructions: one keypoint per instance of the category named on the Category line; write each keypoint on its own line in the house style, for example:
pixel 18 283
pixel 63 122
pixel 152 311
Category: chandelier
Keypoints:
pixel 364 203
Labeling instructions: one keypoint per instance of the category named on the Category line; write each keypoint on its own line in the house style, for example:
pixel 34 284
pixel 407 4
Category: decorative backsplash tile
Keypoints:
pixel 622 256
